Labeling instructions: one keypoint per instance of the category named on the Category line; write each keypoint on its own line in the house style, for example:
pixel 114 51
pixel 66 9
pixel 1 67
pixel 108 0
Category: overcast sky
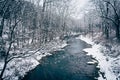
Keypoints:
pixel 79 7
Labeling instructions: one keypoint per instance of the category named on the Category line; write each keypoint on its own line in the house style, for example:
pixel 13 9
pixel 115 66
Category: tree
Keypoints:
pixel 29 26
pixel 109 12
pixel 12 17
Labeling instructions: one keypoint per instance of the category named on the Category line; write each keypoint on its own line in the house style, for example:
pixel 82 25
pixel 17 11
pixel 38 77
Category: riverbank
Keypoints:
pixel 70 63
pixel 109 66
pixel 18 67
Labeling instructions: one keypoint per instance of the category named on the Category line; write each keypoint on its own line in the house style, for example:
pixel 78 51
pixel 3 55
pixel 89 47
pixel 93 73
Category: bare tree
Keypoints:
pixel 110 13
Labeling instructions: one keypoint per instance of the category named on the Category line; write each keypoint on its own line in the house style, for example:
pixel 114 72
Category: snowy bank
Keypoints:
pixel 106 63
pixel 18 67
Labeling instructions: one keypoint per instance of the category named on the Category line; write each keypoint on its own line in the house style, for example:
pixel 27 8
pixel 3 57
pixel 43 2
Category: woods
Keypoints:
pixel 32 29
pixel 107 14
pixel 29 25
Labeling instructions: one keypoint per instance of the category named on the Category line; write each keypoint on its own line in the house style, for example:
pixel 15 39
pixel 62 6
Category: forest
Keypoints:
pixel 33 29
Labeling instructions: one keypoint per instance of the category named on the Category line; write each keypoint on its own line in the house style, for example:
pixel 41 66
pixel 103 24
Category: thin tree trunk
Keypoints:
pixel 3 70
pixel 117 32
pixel 1 27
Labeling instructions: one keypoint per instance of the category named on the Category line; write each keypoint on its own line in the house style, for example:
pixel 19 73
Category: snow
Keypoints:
pixel 18 67
pixel 105 66
pixel 105 62
pixel 87 40
pixel 109 65
pixel 92 62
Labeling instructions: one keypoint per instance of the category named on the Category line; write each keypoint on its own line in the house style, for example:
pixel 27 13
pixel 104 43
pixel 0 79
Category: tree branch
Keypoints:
pixel 113 9
pixel 23 56
pixel 109 19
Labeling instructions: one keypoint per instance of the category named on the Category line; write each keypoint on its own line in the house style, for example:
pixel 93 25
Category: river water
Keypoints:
pixel 70 63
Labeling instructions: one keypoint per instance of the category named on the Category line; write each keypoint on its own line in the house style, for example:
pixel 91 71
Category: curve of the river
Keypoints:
pixel 67 64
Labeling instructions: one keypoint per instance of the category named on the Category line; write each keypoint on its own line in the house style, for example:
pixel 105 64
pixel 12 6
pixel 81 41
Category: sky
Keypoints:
pixel 80 3
pixel 79 7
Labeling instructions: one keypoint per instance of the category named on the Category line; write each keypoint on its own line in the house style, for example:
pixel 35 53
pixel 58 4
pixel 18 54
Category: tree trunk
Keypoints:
pixel 107 33
pixel 1 27
pixel 117 32
pixel 3 70
pixel 106 30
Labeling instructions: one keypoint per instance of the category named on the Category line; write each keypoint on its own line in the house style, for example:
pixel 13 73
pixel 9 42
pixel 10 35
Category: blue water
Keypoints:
pixel 67 64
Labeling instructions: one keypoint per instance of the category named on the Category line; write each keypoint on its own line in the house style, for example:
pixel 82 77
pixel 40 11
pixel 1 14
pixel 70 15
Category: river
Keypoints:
pixel 70 63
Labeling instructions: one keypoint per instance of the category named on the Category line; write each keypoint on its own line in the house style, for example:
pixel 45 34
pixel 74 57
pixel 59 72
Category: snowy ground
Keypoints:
pixel 18 67
pixel 110 66
pixel 109 60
